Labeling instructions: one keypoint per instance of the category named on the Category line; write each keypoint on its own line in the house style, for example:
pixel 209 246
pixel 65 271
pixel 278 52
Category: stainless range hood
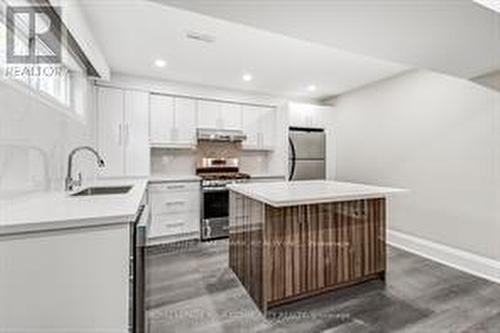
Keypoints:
pixel 220 135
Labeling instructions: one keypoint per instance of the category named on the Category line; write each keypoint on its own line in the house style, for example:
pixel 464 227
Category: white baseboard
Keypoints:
pixel 465 261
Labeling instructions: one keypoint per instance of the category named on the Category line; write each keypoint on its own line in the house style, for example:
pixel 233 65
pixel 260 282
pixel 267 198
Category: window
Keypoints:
pixel 64 83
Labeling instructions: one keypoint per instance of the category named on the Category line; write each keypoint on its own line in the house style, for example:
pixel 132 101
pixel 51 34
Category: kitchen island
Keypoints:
pixel 291 240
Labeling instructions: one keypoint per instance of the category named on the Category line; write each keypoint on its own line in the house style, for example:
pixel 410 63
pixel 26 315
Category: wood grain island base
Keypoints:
pixel 283 254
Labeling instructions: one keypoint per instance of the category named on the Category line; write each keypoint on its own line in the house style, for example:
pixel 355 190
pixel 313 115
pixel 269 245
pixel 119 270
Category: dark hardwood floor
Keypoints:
pixel 191 289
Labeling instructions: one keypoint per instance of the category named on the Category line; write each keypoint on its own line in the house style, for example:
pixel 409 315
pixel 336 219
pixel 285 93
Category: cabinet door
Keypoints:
pixel 185 121
pixel 66 281
pixel 302 115
pixel 251 125
pixel 268 127
pixel 208 114
pixel 296 116
pixel 259 124
pixel 136 137
pixel 110 111
pixel 306 115
pixel 314 117
pixel 161 118
pixel 230 116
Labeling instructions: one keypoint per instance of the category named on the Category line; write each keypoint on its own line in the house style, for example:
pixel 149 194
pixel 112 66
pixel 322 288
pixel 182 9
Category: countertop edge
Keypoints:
pixel 29 227
pixel 281 204
pixel 61 225
pixel 173 179
pixel 334 198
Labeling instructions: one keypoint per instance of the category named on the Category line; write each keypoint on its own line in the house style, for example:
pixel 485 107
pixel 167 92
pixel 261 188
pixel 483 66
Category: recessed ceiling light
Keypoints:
pixel 247 77
pixel 311 87
pixel 160 63
pixel 491 4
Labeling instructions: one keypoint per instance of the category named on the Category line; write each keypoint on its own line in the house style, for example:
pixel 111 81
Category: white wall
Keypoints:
pixel 168 162
pixel 35 138
pixel 437 136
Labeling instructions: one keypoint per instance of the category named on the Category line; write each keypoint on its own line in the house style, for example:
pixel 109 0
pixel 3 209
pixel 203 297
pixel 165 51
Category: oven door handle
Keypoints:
pixel 208 229
pixel 215 189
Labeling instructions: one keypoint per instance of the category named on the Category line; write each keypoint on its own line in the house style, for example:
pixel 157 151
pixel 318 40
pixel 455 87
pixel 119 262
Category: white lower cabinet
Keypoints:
pixel 70 280
pixel 175 211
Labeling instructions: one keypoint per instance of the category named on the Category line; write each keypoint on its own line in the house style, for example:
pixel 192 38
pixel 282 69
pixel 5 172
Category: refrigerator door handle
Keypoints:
pixel 292 148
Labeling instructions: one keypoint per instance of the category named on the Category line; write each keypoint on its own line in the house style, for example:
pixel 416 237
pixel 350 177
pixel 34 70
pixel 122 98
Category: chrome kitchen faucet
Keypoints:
pixel 70 183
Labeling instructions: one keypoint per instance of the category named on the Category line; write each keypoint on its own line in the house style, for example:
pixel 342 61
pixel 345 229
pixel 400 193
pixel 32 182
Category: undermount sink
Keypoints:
pixel 102 190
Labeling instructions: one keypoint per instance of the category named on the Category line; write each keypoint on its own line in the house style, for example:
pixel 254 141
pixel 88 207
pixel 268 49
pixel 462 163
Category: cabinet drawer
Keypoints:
pixel 166 202
pixel 173 224
pixel 174 187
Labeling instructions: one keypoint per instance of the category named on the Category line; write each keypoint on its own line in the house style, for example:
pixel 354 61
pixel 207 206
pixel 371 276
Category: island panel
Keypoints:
pixel 246 244
pixel 288 253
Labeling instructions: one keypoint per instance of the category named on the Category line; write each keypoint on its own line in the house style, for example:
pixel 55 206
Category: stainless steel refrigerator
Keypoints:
pixel 306 153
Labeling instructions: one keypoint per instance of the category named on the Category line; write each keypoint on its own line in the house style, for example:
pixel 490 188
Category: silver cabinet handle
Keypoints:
pixel 173 187
pixel 127 134
pixel 172 203
pixel 176 224
pixel 174 134
pixel 120 134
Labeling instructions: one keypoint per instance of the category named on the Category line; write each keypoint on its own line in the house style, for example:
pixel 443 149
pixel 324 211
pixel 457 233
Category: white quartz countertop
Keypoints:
pixel 173 178
pixel 282 194
pixel 59 210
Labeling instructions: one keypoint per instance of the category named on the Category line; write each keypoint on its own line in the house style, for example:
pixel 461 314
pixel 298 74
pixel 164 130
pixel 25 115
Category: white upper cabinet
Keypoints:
pixel 110 109
pixel 219 115
pixel 161 118
pixel 136 138
pixel 230 116
pixel 305 115
pixel 251 125
pixel 123 131
pixel 208 114
pixel 172 120
pixel 259 125
pixel 184 120
pixel 268 127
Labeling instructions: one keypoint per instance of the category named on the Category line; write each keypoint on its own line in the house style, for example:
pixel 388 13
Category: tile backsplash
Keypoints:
pixel 218 150
pixel 176 162
pixel 35 138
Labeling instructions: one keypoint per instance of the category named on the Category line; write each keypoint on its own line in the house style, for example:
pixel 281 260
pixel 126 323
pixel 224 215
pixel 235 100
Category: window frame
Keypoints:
pixel 33 89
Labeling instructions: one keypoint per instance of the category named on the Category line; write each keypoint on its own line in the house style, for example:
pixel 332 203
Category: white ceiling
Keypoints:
pixel 133 33
pixel 457 37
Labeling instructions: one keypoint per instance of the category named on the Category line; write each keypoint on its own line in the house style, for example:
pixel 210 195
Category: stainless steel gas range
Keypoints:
pixel 216 174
